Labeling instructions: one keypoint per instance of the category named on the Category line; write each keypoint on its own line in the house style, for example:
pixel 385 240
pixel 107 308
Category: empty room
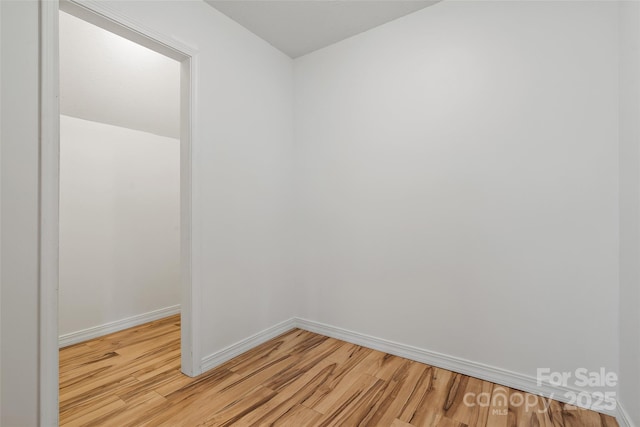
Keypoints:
pixel 376 213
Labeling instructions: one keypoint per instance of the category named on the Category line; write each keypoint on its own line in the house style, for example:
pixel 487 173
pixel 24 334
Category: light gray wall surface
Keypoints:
pixel 242 160
pixel 19 228
pixel 119 224
pixel 241 183
pixel 109 79
pixel 458 181
pixel 630 208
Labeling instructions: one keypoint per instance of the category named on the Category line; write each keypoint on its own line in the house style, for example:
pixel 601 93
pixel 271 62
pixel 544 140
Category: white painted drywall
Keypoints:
pixel 241 170
pixel 108 79
pixel 629 110
pixel 458 180
pixel 241 178
pixel 19 201
pixel 119 223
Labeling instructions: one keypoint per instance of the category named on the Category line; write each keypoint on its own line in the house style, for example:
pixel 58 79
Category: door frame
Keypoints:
pixel 113 20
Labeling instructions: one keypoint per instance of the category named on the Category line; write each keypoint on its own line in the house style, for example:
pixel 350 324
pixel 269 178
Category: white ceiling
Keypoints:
pixel 298 27
pixel 108 79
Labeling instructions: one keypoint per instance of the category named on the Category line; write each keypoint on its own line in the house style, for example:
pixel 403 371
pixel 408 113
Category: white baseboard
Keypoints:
pixel 474 369
pixel 118 325
pixel 451 363
pixel 623 417
pixel 228 353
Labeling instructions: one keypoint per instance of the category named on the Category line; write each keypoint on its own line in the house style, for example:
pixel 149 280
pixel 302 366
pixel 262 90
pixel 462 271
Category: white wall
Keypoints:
pixel 630 207
pixel 108 79
pixel 119 223
pixel 458 182
pixel 241 180
pixel 19 201
pixel 241 170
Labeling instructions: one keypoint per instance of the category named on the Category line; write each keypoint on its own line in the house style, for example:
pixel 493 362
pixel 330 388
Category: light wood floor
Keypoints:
pixel 132 378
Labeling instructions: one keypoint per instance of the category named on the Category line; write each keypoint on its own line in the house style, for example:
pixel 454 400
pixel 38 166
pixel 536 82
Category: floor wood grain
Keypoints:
pixel 132 378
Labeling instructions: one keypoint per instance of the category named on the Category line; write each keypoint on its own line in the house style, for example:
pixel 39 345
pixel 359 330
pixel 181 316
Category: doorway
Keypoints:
pixel 119 248
pixel 111 20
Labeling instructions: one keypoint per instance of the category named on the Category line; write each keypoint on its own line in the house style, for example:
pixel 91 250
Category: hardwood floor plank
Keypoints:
pixel 341 379
pixel 219 396
pixel 241 407
pixel 345 352
pixel 608 421
pixel 498 413
pixel 434 401
pixel 85 408
pixel 459 408
pixel 358 393
pixel 311 359
pixel 574 417
pixel 367 407
pixel 132 414
pixel 99 410
pixel 179 381
pixel 422 386
pixel 267 352
pixel 554 409
pixel 448 422
pixel 528 410
pixel 399 423
pixel 132 378
pixel 402 386
pixel 90 395
pixel 155 383
pixel 298 416
pixel 160 367
pixel 379 409
pixel 290 397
